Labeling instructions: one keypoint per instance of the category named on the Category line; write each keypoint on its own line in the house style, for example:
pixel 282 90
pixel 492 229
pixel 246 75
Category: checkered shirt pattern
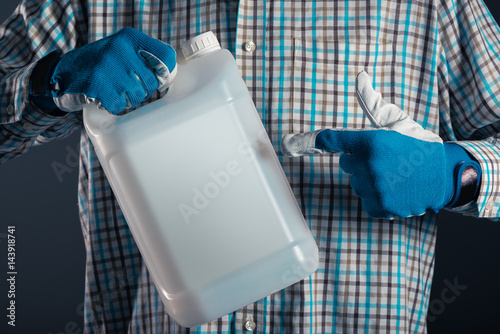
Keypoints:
pixel 436 59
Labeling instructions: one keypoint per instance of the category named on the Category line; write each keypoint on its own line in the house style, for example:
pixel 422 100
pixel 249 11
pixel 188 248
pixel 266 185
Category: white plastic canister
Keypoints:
pixel 202 190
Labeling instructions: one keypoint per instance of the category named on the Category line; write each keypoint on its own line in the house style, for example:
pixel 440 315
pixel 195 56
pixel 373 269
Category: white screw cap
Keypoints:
pixel 199 46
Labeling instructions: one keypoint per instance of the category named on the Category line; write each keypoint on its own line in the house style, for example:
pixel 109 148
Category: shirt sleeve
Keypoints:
pixel 469 87
pixel 36 28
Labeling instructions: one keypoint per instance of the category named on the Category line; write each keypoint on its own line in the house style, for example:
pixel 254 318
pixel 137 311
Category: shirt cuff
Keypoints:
pixel 16 94
pixel 33 122
pixel 487 154
pixel 15 100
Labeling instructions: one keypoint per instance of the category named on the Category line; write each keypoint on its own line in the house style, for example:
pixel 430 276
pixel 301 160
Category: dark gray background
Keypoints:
pixel 51 252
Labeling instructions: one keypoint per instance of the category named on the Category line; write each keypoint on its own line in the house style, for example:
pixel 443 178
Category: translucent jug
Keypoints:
pixel 202 190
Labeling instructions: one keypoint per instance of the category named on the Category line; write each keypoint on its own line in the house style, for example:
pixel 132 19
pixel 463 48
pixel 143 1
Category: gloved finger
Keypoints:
pixel 360 188
pixel 115 102
pixel 346 141
pixel 160 56
pixel 367 193
pixel 324 141
pixel 164 74
pixel 135 92
pixel 387 115
pixel 360 181
pixel 379 112
pixel 375 209
pixel 146 78
pixel 351 164
pixel 296 145
pixel 70 102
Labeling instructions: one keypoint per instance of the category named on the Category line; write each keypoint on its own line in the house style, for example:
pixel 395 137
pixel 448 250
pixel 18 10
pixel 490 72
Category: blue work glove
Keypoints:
pixel 116 73
pixel 397 167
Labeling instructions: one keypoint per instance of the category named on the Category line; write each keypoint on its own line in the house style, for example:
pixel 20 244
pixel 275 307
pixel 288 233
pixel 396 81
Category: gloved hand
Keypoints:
pixel 397 167
pixel 117 72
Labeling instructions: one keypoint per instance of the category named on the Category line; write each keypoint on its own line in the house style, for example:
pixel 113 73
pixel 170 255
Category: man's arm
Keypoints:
pixel 36 28
pixel 470 91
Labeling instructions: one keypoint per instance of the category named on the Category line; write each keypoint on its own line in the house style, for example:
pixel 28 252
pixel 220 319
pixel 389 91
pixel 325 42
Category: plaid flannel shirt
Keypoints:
pixel 436 59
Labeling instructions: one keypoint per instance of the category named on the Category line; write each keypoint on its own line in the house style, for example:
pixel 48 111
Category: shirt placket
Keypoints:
pixel 250 54
pixel 251 50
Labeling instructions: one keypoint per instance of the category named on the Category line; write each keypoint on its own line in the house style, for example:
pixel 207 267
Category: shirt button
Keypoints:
pixel 249 46
pixel 10 109
pixel 250 325
pixel 490 204
pixel 28 126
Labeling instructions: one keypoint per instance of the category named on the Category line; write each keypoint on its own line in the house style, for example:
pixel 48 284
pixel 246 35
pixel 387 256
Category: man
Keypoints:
pixel 436 60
